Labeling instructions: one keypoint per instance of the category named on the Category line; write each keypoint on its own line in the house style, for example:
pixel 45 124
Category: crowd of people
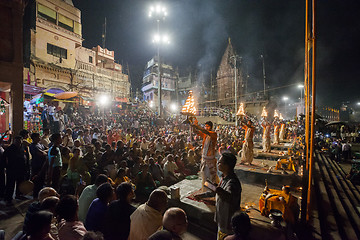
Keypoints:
pixel 88 168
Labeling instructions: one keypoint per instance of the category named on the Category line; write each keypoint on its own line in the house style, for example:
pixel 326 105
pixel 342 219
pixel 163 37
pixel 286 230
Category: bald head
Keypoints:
pixel 158 200
pixel 47 192
pixel 175 220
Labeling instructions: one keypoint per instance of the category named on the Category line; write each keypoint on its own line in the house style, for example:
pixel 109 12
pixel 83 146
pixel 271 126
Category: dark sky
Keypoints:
pixel 199 30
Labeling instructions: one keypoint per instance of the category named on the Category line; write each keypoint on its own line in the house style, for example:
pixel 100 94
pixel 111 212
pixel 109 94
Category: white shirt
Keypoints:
pixel 144 222
pixel 169 167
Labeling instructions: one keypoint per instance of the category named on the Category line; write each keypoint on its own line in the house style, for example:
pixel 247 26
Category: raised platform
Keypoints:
pixel 201 215
pixel 258 172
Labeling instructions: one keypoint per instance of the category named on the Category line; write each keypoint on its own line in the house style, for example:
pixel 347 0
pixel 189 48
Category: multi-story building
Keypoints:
pixel 151 83
pixel 57 59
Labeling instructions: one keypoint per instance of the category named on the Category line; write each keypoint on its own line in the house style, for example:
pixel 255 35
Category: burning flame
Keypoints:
pixel 189 106
pixel 241 111
pixel 281 117
pixel 276 114
pixel 264 112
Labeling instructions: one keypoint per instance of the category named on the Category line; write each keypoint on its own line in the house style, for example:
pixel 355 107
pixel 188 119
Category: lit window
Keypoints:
pixel 46 13
pixel 66 23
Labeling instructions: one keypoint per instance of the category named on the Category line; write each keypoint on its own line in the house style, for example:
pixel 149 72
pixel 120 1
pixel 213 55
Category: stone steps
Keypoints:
pixel 336 201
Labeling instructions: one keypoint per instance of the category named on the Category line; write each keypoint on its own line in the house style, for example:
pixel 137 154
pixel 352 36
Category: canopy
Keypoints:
pixel 65 95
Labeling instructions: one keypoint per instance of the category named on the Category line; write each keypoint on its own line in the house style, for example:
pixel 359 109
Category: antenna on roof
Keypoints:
pixel 103 36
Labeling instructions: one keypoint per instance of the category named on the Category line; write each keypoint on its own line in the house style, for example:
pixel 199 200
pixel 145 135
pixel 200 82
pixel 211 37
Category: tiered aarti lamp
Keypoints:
pixel 241 111
pixel 281 117
pixel 189 109
pixel 276 114
pixel 264 113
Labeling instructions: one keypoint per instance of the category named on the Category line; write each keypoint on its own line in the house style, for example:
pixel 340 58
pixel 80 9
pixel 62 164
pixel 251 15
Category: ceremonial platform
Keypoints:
pixel 201 213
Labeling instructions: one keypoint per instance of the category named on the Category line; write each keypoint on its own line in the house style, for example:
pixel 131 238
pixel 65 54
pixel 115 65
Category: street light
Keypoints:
pixel 174 107
pixel 103 100
pixel 158 12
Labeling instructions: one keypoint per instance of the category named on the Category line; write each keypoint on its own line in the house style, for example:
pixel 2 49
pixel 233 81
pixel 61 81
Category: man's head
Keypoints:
pixel 158 200
pixel 227 162
pixel 175 220
pixel 100 179
pixel 208 125
pixel 47 192
pixel 241 225
pixel 125 192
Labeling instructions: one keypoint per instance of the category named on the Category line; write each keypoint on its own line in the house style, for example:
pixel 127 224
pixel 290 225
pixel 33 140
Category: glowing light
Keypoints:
pixel 103 100
pixel 264 112
pixel 300 86
pixel 276 114
pixel 241 111
pixel 174 107
pixel 151 104
pixel 189 106
pixel 285 98
pixel 281 117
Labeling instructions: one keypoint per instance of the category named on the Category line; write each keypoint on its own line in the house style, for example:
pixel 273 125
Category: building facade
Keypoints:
pixel 150 83
pixel 57 59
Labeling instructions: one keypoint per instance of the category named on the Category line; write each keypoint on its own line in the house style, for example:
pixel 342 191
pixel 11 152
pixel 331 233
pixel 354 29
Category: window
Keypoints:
pixel 77 28
pixel 46 13
pixel 56 51
pixel 66 23
pixel 90 59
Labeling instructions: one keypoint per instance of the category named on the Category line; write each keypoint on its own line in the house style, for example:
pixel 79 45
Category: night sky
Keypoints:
pixel 199 31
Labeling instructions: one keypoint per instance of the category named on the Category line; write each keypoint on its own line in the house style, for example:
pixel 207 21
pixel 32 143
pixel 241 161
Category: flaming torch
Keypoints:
pixel 241 111
pixel 264 113
pixel 281 117
pixel 189 109
pixel 276 114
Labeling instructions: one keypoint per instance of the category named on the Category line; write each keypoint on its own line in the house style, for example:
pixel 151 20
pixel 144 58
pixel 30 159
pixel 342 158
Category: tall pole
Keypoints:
pixel 159 69
pixel 235 57
pixel 264 75
pixel 313 94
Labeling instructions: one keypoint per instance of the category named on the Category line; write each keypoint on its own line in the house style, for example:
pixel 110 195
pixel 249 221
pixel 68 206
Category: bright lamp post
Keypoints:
pixel 103 101
pixel 158 12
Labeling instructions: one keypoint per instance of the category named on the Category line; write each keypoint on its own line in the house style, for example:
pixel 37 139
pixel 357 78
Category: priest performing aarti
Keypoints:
pixel 276 127
pixel 282 131
pixel 208 168
pixel 266 140
pixel 247 153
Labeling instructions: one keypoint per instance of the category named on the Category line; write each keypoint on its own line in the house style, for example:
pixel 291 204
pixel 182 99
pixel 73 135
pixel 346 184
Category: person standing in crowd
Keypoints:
pixel 15 163
pixel 174 225
pixel 45 139
pixel 2 165
pixel 247 154
pixel 147 218
pixel 208 161
pixel 96 214
pixel 55 161
pixel 39 163
pixel 117 218
pixel 228 195
pixel 88 195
